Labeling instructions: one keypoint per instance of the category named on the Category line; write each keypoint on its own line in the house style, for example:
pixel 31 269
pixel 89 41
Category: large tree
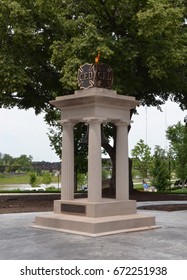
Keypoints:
pixel 27 31
pixel 43 42
pixel 143 41
pixel 177 134
pixel 160 169
pixel 142 159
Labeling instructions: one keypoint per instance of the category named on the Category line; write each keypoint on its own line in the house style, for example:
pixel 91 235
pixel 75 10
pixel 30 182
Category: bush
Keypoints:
pixel 33 179
pixel 160 171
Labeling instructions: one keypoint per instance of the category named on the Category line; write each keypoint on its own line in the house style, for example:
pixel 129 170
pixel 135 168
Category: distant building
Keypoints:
pixel 46 166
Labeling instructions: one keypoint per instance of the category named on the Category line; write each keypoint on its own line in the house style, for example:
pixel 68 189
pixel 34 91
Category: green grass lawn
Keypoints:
pixel 180 190
pixel 21 179
pixel 25 178
pixel 139 187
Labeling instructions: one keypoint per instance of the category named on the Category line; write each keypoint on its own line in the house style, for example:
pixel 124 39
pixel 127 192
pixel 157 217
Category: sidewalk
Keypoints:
pixel 19 241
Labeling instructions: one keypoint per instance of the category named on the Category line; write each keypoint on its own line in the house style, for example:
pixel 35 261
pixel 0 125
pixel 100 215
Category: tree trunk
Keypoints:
pixel 131 186
pixel 183 185
pixel 111 150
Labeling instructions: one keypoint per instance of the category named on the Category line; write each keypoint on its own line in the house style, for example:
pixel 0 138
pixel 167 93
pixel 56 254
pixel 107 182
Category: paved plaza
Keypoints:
pixel 19 241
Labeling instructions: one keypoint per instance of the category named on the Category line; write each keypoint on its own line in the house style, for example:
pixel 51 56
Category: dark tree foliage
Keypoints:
pixel 43 42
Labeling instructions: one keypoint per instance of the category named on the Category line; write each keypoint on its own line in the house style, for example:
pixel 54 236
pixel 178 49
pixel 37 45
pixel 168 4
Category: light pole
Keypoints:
pixel 185 120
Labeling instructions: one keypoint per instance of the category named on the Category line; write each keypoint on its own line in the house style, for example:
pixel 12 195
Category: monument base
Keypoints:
pixel 95 219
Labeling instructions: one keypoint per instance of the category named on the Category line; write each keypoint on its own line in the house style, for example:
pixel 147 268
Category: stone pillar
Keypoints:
pixel 67 181
pixel 94 161
pixel 122 166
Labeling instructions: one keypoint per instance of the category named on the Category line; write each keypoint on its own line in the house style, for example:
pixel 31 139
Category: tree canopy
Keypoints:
pixel 22 163
pixel 28 78
pixel 177 135
pixel 44 42
pixel 160 169
pixel 141 158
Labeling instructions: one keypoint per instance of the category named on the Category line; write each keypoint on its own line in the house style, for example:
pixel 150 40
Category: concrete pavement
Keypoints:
pixel 18 241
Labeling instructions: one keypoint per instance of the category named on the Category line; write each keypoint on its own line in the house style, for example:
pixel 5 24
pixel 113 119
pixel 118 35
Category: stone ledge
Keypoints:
pixel 107 207
pixel 95 226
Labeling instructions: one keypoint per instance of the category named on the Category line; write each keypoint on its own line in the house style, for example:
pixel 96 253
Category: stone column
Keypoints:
pixel 67 181
pixel 94 161
pixel 122 166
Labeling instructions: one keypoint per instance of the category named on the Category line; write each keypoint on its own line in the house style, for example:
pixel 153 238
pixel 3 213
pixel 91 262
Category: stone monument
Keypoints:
pixel 94 104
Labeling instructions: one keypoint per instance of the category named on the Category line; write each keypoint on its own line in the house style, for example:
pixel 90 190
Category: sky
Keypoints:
pixel 22 132
pixel 150 124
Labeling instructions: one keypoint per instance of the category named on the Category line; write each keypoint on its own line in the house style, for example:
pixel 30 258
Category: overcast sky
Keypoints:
pixel 150 124
pixel 22 132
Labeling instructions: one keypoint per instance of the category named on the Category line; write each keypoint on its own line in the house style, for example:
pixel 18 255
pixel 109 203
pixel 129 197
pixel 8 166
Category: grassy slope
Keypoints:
pixel 24 179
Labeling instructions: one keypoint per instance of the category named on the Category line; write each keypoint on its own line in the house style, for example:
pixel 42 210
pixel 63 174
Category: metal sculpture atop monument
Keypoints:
pixel 94 104
pixel 95 75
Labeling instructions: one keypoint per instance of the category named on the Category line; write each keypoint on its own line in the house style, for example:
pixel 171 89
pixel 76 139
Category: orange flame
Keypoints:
pixel 97 58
